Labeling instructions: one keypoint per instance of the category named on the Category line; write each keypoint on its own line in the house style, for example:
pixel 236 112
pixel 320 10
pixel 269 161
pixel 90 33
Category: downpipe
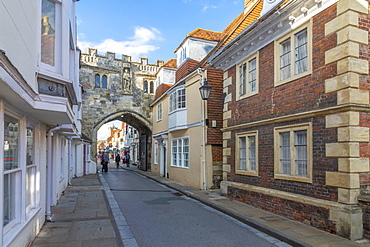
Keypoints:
pixel 50 173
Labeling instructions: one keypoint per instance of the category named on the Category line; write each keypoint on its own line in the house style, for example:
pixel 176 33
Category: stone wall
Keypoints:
pixel 123 98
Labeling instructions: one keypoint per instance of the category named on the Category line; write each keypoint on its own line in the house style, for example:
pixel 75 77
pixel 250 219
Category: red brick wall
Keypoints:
pixel 364 23
pixel 309 214
pixel 265 178
pixel 160 90
pixel 217 153
pixel 301 95
pixel 214 106
pixel 186 68
pixel 307 93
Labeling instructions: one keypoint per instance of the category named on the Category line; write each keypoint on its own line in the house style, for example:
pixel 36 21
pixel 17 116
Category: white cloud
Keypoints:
pixel 136 46
pixel 207 6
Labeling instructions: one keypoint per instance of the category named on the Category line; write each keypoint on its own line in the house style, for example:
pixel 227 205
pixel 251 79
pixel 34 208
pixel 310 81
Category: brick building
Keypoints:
pixel 296 115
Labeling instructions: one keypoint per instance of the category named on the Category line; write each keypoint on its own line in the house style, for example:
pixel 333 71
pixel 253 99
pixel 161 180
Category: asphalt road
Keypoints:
pixel 159 216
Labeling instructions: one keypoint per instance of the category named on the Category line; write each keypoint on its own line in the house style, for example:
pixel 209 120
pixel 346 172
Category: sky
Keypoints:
pixel 148 28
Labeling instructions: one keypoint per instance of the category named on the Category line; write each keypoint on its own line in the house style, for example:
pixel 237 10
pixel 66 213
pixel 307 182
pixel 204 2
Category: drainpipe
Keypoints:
pixel 203 133
pixel 69 159
pixel 50 180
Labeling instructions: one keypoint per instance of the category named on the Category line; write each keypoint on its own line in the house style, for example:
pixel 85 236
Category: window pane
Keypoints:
pixel 174 152
pixel 181 98
pixel 301 54
pixel 252 152
pixel 30 146
pixel 242 85
pixel 285 60
pixel 97 80
pixel 11 137
pixel 9 198
pixel 104 82
pixel 151 87
pixel 242 153
pixel 252 75
pixel 48 33
pixel 179 152
pixel 145 87
pixel 285 153
pixel 186 151
pixel 300 144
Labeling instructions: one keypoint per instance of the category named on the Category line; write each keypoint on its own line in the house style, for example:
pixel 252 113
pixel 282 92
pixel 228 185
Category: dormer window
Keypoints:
pixel 183 55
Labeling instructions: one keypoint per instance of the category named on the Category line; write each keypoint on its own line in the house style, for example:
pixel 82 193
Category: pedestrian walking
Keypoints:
pixel 127 159
pixel 105 162
pixel 117 159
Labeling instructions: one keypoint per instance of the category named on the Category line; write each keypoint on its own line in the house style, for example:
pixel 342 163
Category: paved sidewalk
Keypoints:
pixel 82 218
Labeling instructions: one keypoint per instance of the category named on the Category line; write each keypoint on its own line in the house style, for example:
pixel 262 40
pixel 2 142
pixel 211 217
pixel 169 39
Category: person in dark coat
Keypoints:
pixel 117 159
pixel 105 162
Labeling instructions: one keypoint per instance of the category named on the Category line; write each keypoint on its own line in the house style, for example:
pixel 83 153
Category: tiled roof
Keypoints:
pixel 203 34
pixel 161 89
pixel 243 21
pixel 206 35
pixel 236 27
pixel 172 63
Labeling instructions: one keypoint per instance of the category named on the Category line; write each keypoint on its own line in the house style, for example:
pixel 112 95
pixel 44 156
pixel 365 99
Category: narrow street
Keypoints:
pixel 159 216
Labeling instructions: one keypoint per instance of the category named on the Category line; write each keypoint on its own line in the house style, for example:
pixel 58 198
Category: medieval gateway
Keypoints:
pixel 117 89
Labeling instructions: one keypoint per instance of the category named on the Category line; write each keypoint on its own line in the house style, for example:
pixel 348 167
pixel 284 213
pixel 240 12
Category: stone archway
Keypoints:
pixel 120 96
pixel 134 119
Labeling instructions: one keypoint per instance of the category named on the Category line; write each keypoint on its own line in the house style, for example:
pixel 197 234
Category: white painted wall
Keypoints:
pixel 19 26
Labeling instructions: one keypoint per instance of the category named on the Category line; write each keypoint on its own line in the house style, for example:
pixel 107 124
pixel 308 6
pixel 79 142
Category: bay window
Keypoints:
pixel 178 100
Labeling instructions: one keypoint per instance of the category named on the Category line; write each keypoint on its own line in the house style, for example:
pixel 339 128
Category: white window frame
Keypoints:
pixel 247 170
pixel 59 33
pixel 32 170
pixel 155 161
pixel 277 52
pixel 178 156
pixel 244 78
pixel 18 172
pixel 159 111
pixel 175 104
pixel 292 129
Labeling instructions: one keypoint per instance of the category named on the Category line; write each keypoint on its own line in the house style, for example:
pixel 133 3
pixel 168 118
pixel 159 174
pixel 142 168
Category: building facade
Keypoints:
pixel 40 119
pixel 185 147
pixel 296 129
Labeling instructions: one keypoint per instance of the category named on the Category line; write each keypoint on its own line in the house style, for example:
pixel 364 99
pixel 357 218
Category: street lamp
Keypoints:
pixel 205 90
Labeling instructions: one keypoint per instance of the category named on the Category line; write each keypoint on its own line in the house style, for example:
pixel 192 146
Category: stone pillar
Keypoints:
pixel 226 168
pixel 346 84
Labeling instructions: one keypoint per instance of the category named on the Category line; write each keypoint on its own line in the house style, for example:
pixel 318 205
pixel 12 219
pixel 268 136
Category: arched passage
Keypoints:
pixel 136 120
pixel 123 96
